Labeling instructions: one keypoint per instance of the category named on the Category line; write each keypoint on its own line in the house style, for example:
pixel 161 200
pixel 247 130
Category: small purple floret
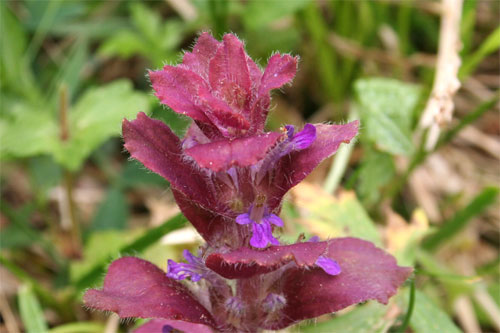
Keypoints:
pixel 234 305
pixel 274 302
pixel 194 269
pixel 167 329
pixel 303 139
pixel 262 233
pixel 330 266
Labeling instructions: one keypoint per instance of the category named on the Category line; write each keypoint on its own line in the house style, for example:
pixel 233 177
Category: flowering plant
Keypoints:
pixel 228 176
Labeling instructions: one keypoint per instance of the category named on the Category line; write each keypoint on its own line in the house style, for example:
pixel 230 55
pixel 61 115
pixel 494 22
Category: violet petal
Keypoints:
pixel 296 166
pixel 158 326
pixel 259 237
pixel 243 219
pixel 273 219
pixel 304 138
pixel 136 288
pixel 330 266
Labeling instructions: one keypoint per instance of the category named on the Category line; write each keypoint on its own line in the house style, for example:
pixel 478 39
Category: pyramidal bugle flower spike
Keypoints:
pixel 228 176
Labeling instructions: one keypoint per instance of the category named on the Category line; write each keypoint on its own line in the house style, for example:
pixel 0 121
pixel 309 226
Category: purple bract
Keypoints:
pixel 228 176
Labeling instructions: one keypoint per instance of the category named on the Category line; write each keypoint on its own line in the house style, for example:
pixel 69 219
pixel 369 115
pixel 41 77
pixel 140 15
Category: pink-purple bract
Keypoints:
pixel 228 176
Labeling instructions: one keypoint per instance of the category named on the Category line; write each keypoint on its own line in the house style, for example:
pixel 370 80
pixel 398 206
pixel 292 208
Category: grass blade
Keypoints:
pixel 31 311
pixel 461 218
pixel 490 45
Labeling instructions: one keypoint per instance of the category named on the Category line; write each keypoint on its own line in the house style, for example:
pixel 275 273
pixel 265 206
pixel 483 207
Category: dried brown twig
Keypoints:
pixel 439 109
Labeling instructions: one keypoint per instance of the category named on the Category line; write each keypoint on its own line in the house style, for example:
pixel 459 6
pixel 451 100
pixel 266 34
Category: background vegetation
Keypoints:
pixel 72 200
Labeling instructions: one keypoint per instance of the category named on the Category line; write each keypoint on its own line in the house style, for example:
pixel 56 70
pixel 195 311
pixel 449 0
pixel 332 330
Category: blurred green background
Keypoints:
pixel 71 200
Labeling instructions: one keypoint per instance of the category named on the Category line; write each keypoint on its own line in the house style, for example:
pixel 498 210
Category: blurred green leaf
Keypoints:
pixel 377 170
pixel 176 122
pixel 386 108
pixel 490 45
pixel 112 212
pixel 18 233
pixel 148 37
pixel 467 25
pixel 146 20
pixel 326 58
pixel 68 11
pixel 70 70
pixel 29 131
pixel 451 227
pixel 79 327
pixel 429 318
pixel 135 174
pixel 141 243
pixel 21 233
pixel 100 246
pixel 45 173
pixel 15 73
pixel 124 44
pixel 330 216
pixel 258 14
pixel 93 28
pixel 97 116
pixel 366 318
pixel 31 311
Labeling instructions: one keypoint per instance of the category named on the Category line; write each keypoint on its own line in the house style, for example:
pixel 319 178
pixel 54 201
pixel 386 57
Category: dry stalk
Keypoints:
pixel 184 8
pixel 439 109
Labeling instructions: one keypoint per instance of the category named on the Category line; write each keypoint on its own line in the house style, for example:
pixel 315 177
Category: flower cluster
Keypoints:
pixel 228 176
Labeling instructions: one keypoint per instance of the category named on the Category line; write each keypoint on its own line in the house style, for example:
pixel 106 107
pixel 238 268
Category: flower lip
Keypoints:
pixel 261 221
pixel 195 268
pixel 329 265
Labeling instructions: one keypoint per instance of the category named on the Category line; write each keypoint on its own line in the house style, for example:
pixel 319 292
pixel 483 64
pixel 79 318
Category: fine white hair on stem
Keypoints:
pixel 439 109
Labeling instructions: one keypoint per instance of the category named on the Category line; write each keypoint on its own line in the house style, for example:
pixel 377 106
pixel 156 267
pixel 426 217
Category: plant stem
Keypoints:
pixel 76 242
pixel 411 306
pixel 340 161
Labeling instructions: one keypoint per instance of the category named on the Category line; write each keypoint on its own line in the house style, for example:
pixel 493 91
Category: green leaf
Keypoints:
pixel 79 327
pixel 31 311
pixel 29 131
pixel 45 174
pixel 112 212
pixel 490 45
pixel 258 14
pixel 386 108
pixel 15 73
pixel 376 170
pixel 367 318
pixel 70 71
pixel 96 117
pixel 147 21
pixel 429 318
pixel 138 245
pixel 135 174
pixel 124 44
pixel 330 216
pixel 99 247
pixel 457 223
